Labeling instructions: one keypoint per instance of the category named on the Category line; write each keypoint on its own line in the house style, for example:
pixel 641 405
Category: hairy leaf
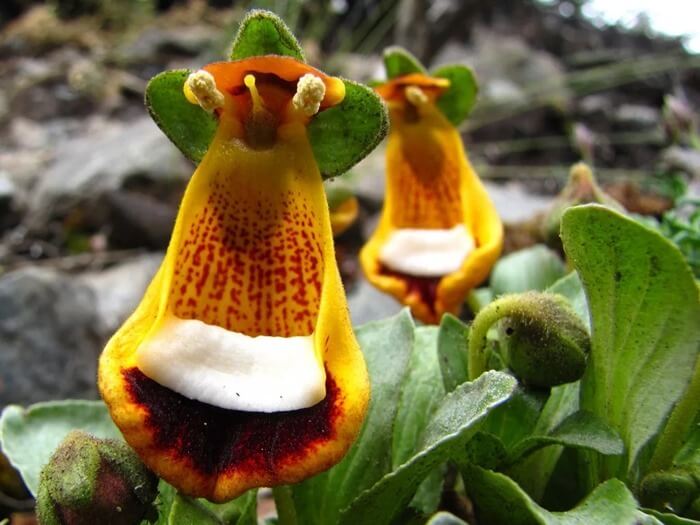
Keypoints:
pixel 644 308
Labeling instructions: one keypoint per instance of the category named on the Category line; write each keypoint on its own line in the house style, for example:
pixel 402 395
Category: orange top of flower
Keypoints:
pixel 240 368
pixel 439 233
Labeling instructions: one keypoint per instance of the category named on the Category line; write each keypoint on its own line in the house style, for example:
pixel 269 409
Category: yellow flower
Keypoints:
pixel 240 368
pixel 439 233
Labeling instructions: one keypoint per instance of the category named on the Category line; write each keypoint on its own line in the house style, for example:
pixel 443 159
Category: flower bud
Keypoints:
pixel 90 480
pixel 581 188
pixel 675 490
pixel 543 341
pixel 679 118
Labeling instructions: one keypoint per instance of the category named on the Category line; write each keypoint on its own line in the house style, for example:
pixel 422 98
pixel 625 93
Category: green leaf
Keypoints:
pixel 399 62
pixel 343 135
pixel 264 33
pixel 689 454
pixel 645 333
pixel 175 509
pixel 580 430
pixel 454 423
pixel 570 287
pixel 534 472
pixel 422 392
pixel 533 268
pixel 164 502
pixel 500 501
pixel 387 346
pixel 29 436
pixel 452 344
pixel 670 519
pixel 445 518
pixel 460 97
pixel 186 511
pixel 187 125
pixel 515 419
pixel 241 511
pixel 479 298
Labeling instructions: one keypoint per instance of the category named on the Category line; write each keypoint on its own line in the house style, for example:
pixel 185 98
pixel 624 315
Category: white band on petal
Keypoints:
pixel 232 370
pixel 427 253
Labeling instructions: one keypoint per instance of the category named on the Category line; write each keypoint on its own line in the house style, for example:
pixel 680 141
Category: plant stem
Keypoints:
pixel 286 512
pixel 486 318
pixel 679 423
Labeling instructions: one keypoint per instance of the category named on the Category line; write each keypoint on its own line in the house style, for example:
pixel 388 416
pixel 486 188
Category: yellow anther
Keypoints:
pixel 200 88
pixel 310 93
pixel 416 96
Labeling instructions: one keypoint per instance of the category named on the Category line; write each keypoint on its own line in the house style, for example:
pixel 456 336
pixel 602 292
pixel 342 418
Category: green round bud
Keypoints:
pixel 675 490
pixel 693 511
pixel 90 480
pixel 543 341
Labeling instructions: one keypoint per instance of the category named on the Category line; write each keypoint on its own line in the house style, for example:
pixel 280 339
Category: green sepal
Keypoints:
pixel 264 33
pixel 399 62
pixel 459 99
pixel 343 135
pixel 187 125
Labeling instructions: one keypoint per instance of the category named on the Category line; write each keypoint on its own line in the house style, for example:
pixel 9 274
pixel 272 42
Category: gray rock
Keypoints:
pixel 87 167
pixel 508 69
pixel 7 189
pixel 687 160
pixel 514 203
pixel 362 68
pixel 367 178
pixel 8 196
pixel 47 336
pixel 595 106
pixel 119 290
pixel 637 116
pixel 137 220
pixel 155 42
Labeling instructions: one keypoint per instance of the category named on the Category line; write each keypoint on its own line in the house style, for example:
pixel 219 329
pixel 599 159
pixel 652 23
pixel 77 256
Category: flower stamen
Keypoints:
pixel 200 88
pixel 309 94
pixel 416 96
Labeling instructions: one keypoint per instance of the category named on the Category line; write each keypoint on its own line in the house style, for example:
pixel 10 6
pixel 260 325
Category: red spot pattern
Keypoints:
pixel 250 261
pixel 215 441
pixel 423 180
pixel 425 287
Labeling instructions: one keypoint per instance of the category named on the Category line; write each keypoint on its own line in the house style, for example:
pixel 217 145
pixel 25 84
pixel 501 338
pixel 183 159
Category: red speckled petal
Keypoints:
pixel 252 252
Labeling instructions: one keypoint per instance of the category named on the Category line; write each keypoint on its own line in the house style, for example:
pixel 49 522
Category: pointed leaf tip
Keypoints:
pixel 399 62
pixel 187 125
pixel 457 102
pixel 264 33
pixel 343 135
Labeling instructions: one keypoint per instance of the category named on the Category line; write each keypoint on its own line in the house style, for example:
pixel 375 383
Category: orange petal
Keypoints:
pixel 251 252
pixel 393 90
pixel 431 185
pixel 278 76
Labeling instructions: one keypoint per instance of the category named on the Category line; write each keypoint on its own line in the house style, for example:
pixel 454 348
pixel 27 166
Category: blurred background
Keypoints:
pixel 89 186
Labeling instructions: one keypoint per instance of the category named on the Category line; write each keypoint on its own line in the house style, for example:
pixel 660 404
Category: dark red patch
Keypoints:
pixel 216 440
pixel 425 287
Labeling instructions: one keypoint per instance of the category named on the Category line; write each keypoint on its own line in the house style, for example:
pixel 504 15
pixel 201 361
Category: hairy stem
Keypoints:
pixel 485 319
